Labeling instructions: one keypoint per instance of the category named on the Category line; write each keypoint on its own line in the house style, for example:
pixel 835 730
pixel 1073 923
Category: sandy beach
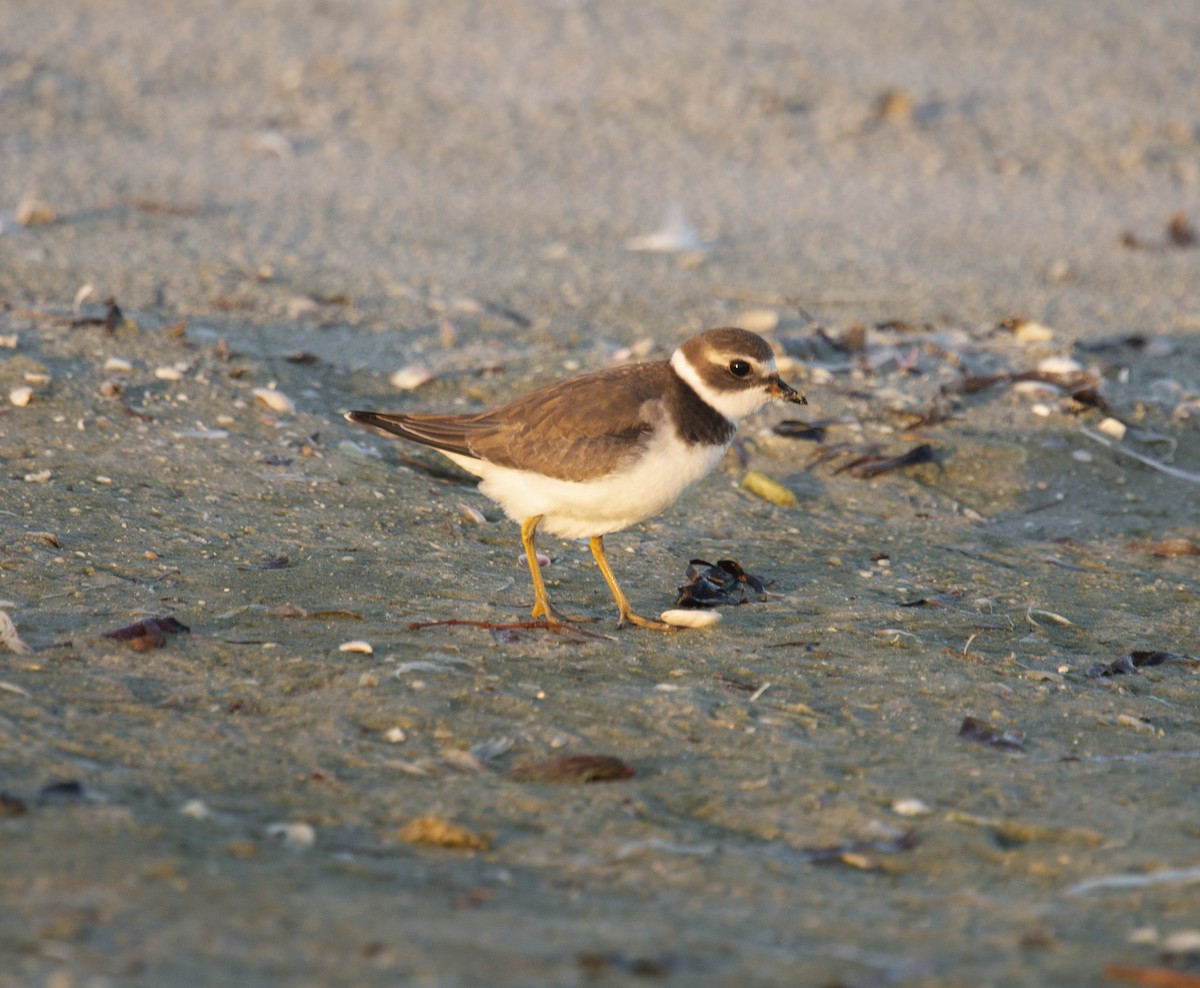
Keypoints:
pixel 956 742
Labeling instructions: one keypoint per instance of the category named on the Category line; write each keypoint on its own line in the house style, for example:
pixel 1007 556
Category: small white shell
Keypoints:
pixel 412 377
pixel 1113 428
pixel 294 835
pixel 362 647
pixel 757 320
pixel 1059 365
pixel 685 618
pixel 118 365
pixel 277 401
pixel 1032 332
pixel 471 514
pixel 1182 942
pixel 168 374
pixel 197 809
pixel 21 396
pixel 9 638
pixel 911 807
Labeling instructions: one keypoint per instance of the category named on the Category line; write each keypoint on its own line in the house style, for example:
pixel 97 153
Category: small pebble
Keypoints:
pixel 277 401
pixel 361 647
pixel 168 374
pixel 687 618
pixel 1082 455
pixel 395 735
pixel 542 560
pixel 1113 428
pixel 118 365
pixel 21 396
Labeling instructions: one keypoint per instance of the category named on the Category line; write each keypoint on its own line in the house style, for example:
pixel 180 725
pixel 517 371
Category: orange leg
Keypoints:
pixel 541 601
pixel 626 612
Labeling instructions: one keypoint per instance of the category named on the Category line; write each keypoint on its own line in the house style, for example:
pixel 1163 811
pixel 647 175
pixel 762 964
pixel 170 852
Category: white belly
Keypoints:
pixel 607 504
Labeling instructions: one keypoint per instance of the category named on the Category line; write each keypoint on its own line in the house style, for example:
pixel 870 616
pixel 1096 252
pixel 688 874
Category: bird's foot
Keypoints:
pixel 641 622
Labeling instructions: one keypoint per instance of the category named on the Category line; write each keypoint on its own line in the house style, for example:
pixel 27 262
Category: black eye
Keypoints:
pixel 739 368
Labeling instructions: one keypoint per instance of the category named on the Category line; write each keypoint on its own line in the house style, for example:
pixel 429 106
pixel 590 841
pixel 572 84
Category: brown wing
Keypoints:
pixel 444 432
pixel 576 429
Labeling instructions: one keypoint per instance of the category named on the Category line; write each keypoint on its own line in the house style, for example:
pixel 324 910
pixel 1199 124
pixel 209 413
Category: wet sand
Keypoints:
pixel 306 198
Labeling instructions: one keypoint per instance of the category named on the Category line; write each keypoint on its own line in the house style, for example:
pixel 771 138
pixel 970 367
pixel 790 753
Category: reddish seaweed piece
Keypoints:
pixel 973 729
pixel 574 769
pixel 150 633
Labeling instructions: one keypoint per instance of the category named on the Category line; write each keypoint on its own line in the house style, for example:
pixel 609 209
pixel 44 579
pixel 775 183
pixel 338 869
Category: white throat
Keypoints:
pixel 733 403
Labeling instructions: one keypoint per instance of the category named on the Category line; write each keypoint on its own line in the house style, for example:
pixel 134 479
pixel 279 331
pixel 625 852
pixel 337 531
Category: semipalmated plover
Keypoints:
pixel 596 453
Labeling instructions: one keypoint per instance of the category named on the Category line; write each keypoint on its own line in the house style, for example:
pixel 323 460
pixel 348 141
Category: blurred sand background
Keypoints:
pixel 377 185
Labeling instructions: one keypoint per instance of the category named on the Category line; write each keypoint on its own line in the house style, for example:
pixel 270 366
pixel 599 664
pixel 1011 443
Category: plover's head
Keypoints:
pixel 733 370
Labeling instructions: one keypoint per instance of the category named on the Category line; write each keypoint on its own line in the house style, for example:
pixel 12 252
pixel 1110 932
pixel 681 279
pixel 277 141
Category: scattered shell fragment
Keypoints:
pixel 197 809
pixel 300 305
pixel 768 489
pixel 894 106
pixel 36 377
pixel 168 374
pixel 1028 331
pixel 118 365
pixel 21 396
pixel 1059 365
pixel 9 638
pixel 758 320
pixel 270 142
pixel 40 477
pixel 33 211
pixel 690 618
pixel 395 735
pixel 442 833
pixel 297 836
pixel 1137 724
pixel 1182 942
pixel 675 236
pixel 277 401
pixel 911 807
pixel 412 377
pixel 359 646
pixel 471 514
pixel 9 342
pixel 1113 428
